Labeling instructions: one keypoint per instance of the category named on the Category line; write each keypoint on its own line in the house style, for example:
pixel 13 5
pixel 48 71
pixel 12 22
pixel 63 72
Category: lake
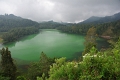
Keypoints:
pixel 51 41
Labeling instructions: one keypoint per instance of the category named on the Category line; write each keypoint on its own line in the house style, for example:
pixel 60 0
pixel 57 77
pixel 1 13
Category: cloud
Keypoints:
pixel 59 10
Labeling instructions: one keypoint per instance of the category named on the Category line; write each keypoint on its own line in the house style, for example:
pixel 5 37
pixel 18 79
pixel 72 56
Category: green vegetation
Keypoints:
pixel 12 21
pixel 94 65
pixel 12 27
pixel 38 68
pixel 90 40
pixel 8 68
pixel 16 33
pixel 100 28
pixel 49 25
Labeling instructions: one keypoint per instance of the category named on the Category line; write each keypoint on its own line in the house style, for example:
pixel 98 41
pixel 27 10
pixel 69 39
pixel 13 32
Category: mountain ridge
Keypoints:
pixel 95 19
pixel 10 20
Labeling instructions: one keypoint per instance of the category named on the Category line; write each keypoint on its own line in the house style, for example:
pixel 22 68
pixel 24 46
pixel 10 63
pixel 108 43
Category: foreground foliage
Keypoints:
pixel 8 68
pixel 38 68
pixel 95 66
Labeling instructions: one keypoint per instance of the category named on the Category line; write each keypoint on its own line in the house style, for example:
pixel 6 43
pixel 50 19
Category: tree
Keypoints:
pixel 8 67
pixel 62 70
pixel 4 78
pixel 90 40
pixel 101 65
pixel 21 78
pixel 37 69
pixel 95 66
pixel 108 32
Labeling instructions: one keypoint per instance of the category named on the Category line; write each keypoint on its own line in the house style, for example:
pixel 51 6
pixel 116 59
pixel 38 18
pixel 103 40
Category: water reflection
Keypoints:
pixel 12 44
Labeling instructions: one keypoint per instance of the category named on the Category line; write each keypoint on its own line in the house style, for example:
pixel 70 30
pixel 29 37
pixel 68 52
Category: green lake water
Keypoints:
pixel 51 41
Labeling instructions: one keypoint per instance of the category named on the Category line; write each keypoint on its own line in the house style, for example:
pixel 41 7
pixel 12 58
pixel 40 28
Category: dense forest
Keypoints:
pixel 94 64
pixel 16 33
pixel 49 25
pixel 13 28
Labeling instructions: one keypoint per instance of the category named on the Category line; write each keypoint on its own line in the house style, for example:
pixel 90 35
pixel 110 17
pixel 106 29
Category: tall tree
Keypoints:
pixel 90 39
pixel 40 68
pixel 8 67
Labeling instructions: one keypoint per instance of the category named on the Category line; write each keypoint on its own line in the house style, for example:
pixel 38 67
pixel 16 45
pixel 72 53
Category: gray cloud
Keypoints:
pixel 59 10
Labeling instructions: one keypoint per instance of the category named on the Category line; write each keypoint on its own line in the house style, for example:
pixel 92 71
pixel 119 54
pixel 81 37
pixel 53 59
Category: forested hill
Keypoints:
pixel 109 31
pixel 95 19
pixel 91 19
pixel 13 27
pixel 15 21
pixel 49 25
pixel 10 16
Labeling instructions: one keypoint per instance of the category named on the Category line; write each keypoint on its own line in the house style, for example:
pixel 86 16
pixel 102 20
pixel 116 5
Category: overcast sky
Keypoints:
pixel 59 10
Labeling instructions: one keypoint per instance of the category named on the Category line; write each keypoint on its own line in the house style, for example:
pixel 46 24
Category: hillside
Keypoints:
pixel 10 20
pixel 95 19
pixel 14 27
pixel 49 25
pixel 91 19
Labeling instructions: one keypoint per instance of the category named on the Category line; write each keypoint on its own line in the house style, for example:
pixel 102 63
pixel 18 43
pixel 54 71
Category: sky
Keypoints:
pixel 59 10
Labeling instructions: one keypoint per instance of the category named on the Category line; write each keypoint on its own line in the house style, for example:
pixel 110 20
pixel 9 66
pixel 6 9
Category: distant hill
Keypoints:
pixel 91 19
pixel 112 18
pixel 10 16
pixel 49 24
pixel 10 20
pixel 12 27
pixel 105 19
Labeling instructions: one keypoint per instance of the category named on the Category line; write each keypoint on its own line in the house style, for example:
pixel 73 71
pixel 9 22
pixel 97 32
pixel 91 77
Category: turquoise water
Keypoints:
pixel 52 42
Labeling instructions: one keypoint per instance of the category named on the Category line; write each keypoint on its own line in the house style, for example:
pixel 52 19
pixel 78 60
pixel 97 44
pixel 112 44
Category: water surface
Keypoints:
pixel 52 42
